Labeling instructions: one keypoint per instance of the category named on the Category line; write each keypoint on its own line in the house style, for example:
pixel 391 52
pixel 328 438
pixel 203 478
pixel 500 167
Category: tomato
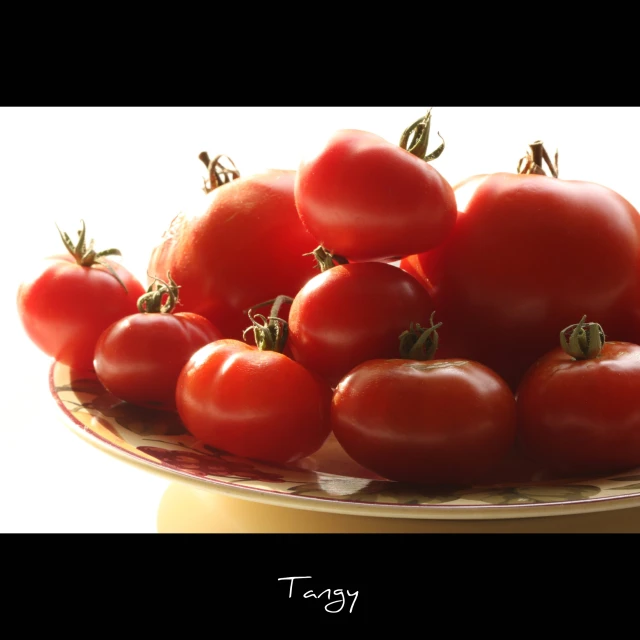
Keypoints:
pixel 354 312
pixel 579 416
pixel 253 403
pixel 530 253
pixel 438 422
pixel 68 300
pixel 364 198
pixel 243 244
pixel 139 358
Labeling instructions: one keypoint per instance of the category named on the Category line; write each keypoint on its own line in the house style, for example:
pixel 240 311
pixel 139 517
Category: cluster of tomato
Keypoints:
pixel 428 341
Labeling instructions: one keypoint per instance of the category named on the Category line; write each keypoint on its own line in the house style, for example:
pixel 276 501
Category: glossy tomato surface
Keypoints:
pixel 240 247
pixel 444 422
pixel 352 313
pixel 582 417
pixel 252 403
pixel 364 198
pixel 529 254
pixel 64 306
pixel 139 358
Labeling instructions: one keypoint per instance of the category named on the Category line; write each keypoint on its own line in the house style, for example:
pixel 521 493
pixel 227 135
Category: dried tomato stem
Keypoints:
pixel 277 303
pixel 586 340
pixel 151 301
pixel 532 162
pixel 325 260
pixel 415 139
pixel 419 343
pixel 218 173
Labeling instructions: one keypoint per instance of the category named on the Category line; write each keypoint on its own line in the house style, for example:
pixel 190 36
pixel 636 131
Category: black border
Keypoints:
pixel 413 579
pixel 180 579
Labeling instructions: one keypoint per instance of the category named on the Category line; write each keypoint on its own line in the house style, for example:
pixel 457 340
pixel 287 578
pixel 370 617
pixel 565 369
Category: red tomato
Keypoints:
pixel 435 422
pixel 354 312
pixel 364 198
pixel 139 358
pixel 68 301
pixel 252 403
pixel 243 246
pixel 530 253
pixel 581 416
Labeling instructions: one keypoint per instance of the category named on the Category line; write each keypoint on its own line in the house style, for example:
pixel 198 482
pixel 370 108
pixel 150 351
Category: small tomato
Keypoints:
pixel 139 358
pixel 578 405
pixel 253 403
pixel 354 312
pixel 71 299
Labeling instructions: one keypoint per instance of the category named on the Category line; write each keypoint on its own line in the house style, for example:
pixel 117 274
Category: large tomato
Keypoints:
pixel 433 422
pixel 69 300
pixel 530 253
pixel 578 412
pixel 364 198
pixel 253 403
pixel 354 312
pixel 139 358
pixel 244 245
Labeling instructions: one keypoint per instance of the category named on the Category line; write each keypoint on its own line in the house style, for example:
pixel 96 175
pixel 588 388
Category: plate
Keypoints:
pixel 327 481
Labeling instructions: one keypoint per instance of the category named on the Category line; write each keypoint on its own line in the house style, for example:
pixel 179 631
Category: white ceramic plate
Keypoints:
pixel 328 481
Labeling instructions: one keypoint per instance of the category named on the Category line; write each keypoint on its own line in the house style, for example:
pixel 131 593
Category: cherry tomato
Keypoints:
pixel 244 244
pixel 354 312
pixel 578 414
pixel 68 300
pixel 253 403
pixel 444 422
pixel 139 358
pixel 530 253
pixel 364 198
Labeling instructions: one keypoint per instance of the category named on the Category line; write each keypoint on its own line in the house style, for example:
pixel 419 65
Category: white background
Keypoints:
pixel 127 172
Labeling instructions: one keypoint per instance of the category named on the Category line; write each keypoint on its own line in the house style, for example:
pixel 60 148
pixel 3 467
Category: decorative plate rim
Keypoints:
pixel 342 504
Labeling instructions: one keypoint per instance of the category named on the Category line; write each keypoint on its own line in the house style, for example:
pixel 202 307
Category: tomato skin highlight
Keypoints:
pixel 352 313
pixel 582 417
pixel 64 307
pixel 242 245
pixel 251 403
pixel 365 199
pixel 433 422
pixel 529 254
pixel 139 358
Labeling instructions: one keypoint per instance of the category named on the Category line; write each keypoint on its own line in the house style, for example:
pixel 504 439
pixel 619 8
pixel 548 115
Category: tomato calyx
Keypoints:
pixel 415 139
pixel 325 260
pixel 532 161
pixel 152 300
pixel 419 343
pixel 219 174
pixel 86 256
pixel 270 332
pixel 586 340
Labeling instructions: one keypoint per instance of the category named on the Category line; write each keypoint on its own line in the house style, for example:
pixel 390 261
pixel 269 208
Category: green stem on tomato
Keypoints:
pixel 151 301
pixel 419 343
pixel 85 255
pixel 415 139
pixel 269 332
pixel 325 260
pixel 586 340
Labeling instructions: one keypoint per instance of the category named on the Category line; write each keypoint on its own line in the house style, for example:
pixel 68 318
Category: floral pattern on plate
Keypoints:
pixel 328 481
